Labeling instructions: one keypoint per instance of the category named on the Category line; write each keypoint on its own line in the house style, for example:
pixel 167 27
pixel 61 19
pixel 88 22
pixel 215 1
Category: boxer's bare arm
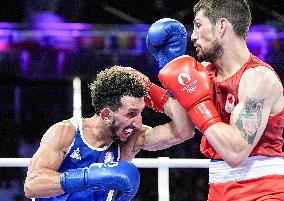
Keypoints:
pixel 260 95
pixel 162 136
pixel 42 179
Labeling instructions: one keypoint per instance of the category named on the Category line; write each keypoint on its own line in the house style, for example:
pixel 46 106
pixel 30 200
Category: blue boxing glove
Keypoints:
pixel 166 40
pixel 121 176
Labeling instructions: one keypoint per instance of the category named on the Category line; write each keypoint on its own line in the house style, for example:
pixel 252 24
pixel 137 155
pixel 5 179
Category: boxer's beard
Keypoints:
pixel 212 54
pixel 114 135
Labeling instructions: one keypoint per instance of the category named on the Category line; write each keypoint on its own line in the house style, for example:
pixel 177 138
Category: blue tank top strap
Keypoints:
pixel 77 123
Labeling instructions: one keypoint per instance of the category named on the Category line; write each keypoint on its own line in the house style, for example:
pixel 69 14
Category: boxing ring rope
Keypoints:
pixel 162 163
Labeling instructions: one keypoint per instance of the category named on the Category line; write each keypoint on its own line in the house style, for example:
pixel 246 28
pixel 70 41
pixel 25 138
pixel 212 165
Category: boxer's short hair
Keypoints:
pixel 111 85
pixel 237 12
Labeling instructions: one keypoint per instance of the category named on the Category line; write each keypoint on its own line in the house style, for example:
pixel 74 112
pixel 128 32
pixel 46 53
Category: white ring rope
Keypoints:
pixel 14 162
pixel 170 163
pixel 139 162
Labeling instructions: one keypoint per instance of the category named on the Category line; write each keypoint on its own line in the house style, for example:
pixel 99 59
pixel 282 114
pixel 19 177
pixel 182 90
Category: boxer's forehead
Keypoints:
pixel 129 103
pixel 200 17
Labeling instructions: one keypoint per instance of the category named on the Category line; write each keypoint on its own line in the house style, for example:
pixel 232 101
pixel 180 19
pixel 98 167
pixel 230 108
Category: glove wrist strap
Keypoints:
pixel 73 180
pixel 204 115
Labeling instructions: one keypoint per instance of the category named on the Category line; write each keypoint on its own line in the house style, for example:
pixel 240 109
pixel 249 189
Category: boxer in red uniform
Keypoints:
pixel 236 101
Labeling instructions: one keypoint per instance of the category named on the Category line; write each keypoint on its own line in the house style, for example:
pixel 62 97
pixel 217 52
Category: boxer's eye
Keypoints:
pixel 131 114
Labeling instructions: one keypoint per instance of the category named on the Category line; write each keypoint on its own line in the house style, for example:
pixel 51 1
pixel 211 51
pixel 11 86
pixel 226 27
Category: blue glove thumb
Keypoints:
pixel 166 40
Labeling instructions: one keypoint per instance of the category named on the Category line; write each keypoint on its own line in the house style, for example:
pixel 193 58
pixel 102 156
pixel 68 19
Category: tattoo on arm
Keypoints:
pixel 250 118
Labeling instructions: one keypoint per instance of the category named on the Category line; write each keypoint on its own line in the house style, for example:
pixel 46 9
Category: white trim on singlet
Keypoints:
pixel 77 122
pixel 253 167
pixel 73 122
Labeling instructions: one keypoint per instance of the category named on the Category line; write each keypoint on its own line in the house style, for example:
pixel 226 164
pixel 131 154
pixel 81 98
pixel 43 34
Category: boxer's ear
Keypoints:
pixel 105 114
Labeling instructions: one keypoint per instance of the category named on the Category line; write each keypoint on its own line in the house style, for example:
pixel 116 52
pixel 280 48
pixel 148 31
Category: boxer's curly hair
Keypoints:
pixel 111 85
pixel 237 12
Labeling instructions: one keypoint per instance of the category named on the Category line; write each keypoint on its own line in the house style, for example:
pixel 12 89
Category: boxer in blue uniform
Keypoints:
pixel 80 155
pixel 88 158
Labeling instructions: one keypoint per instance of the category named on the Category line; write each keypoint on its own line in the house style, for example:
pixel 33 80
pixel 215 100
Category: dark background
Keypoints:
pixel 126 11
pixel 31 101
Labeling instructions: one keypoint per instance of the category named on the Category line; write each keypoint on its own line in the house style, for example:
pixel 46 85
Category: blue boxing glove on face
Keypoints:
pixel 166 40
pixel 121 176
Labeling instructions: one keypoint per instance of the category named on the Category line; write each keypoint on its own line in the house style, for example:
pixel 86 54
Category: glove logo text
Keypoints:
pixel 185 80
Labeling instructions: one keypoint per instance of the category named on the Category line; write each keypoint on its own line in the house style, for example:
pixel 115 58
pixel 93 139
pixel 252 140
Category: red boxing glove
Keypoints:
pixel 188 81
pixel 156 97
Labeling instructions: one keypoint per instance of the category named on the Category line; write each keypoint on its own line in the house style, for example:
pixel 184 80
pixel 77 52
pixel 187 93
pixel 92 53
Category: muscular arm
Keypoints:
pixel 169 134
pixel 260 95
pixel 42 179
